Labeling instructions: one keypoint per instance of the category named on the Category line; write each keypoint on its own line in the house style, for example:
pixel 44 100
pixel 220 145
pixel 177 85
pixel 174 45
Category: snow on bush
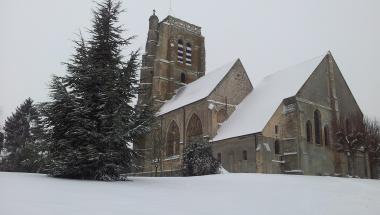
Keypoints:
pixel 198 159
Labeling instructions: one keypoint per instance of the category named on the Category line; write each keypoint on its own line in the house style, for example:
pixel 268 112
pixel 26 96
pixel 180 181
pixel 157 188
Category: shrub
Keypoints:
pixel 198 159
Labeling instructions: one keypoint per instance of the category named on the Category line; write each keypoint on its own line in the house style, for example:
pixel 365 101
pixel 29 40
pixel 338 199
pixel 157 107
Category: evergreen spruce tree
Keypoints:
pixel 62 156
pixel 1 139
pixel 92 112
pixel 23 141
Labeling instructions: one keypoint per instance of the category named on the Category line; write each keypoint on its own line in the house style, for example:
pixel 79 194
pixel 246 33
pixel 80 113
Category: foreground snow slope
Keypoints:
pixel 218 194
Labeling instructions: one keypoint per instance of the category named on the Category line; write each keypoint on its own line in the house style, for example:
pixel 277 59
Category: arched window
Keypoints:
pixel 188 54
pixel 172 140
pixel 245 155
pixel 180 51
pixel 183 77
pixel 317 126
pixel 276 147
pixel 308 131
pixel 194 129
pixel 326 132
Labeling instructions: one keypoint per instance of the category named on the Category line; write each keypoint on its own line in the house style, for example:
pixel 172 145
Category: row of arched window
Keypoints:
pixel 184 53
pixel 317 130
pixel 193 131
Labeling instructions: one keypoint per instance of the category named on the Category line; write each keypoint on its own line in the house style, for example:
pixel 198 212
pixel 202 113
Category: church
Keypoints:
pixel 285 124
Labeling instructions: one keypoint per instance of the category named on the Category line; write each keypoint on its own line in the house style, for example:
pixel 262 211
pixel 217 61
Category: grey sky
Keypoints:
pixel 35 37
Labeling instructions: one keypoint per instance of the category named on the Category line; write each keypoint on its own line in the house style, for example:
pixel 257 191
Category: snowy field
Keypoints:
pixel 231 194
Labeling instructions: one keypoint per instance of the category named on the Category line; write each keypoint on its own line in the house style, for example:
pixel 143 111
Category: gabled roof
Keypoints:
pixel 197 89
pixel 254 112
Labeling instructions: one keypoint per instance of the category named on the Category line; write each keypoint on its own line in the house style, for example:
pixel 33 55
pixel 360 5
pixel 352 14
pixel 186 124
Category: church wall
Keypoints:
pixel 296 154
pixel 316 88
pixel 317 159
pixel 234 87
pixel 182 116
pixel 346 101
pixel 323 159
pixel 283 128
pixel 232 155
pixel 209 115
pixel 348 109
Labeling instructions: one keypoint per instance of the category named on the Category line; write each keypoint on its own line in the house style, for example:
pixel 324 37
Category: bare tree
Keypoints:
pixel 359 134
pixel 158 147
pixel 371 139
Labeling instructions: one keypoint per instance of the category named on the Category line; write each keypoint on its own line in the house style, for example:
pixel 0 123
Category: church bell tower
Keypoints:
pixel 174 56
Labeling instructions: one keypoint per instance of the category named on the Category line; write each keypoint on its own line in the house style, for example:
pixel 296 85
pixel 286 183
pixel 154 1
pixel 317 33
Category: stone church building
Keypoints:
pixel 285 124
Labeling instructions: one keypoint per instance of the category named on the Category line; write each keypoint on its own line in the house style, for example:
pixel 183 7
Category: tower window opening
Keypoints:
pixel 180 51
pixel 188 54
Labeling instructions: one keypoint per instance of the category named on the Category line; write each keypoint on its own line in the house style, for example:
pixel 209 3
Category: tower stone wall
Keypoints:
pixel 174 56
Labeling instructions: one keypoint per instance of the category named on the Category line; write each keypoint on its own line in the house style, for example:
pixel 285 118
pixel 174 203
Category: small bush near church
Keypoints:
pixel 198 159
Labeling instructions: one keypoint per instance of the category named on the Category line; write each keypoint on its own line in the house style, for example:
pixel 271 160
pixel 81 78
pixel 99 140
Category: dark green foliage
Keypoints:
pixel 24 143
pixel 198 159
pixel 1 139
pixel 91 114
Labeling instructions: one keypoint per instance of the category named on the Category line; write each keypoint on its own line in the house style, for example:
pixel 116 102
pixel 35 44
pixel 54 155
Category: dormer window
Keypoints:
pixel 188 54
pixel 180 51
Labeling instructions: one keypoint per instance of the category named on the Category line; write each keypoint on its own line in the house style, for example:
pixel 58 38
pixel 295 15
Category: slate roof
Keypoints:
pixel 197 89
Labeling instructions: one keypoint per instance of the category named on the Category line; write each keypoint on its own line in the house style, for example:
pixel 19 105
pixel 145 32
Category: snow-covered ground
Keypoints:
pixel 231 194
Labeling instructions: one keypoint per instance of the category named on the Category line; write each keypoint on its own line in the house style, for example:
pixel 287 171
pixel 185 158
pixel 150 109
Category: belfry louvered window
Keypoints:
pixel 188 54
pixel 180 51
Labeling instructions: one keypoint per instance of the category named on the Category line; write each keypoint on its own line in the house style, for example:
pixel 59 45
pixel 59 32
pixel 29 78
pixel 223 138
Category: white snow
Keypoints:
pixel 278 161
pixel 223 171
pixel 196 90
pixel 211 106
pixel 267 147
pixel 290 153
pixel 224 194
pixel 252 114
pixel 258 147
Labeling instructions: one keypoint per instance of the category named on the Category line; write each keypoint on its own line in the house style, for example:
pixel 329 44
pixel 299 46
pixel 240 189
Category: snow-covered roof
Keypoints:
pixel 254 112
pixel 196 90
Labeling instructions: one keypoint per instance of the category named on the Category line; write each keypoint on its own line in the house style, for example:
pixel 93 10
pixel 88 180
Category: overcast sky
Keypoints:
pixel 35 37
